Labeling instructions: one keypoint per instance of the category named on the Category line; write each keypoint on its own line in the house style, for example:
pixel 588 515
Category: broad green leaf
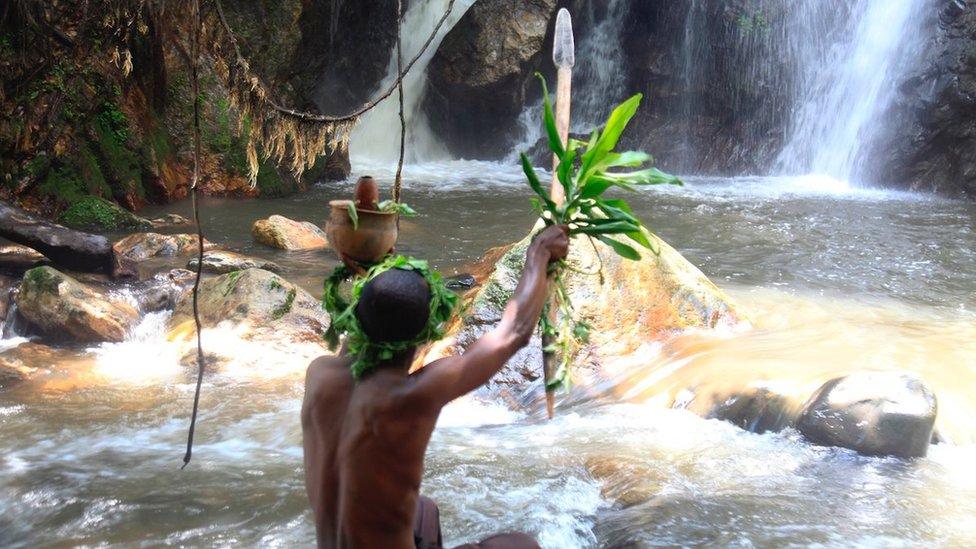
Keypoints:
pixel 612 130
pixel 353 215
pixel 594 187
pixel 555 143
pixel 649 176
pixel 536 185
pixel 622 249
pixel 565 170
pixel 616 227
pixel 630 159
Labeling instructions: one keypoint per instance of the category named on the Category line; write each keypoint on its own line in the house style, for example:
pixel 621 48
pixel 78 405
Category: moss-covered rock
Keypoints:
pixel 92 212
pixel 63 307
pixel 259 304
pixel 628 304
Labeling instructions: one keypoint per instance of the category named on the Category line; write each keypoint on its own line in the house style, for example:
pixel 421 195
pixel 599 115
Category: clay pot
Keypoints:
pixel 370 242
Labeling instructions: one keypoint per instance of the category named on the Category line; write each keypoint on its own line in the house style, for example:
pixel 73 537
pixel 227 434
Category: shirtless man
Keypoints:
pixel 365 440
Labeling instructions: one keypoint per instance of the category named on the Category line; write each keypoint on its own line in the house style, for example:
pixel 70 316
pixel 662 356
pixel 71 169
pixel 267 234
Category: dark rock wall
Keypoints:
pixel 932 145
pixel 478 79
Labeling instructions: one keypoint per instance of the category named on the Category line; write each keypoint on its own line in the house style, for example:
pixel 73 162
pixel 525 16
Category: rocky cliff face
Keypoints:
pixel 96 100
pixel 479 76
pixel 933 145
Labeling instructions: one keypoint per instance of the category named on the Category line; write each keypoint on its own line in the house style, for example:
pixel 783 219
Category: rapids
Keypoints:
pixel 835 279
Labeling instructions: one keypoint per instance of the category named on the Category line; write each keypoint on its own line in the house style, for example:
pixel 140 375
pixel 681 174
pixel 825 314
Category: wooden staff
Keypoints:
pixel 564 57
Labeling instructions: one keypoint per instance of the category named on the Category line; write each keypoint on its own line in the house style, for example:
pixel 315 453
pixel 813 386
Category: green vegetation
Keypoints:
pixel 92 211
pixel 284 308
pixel 44 279
pixel 586 170
pixel 343 313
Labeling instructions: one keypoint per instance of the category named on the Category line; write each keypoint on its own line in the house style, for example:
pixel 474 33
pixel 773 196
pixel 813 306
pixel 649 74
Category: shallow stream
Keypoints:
pixel 835 279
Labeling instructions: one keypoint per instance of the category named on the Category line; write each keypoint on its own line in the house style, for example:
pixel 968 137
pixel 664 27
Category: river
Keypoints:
pixel 835 279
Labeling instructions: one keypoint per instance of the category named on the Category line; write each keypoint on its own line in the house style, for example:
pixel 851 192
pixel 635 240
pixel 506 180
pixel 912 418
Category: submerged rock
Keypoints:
pixel 162 291
pixel 221 262
pixel 627 303
pixel 280 232
pixel 873 413
pixel 261 303
pixel 169 220
pixel 61 306
pixel 141 246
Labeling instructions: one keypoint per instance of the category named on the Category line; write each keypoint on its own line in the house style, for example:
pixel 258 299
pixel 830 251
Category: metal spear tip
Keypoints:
pixel 563 45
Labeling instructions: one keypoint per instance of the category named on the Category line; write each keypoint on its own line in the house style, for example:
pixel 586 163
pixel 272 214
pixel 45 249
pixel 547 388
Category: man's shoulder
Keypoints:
pixel 328 371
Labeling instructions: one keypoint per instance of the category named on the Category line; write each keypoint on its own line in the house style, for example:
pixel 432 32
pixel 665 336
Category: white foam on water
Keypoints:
pixel 145 357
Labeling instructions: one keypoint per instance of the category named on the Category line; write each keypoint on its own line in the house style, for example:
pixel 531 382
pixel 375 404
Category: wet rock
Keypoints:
pixel 460 282
pixel 162 291
pixel 931 143
pixel 629 304
pixel 61 306
pixel 873 413
pixel 280 232
pixel 755 410
pixel 140 246
pixel 479 76
pixel 221 262
pixel 17 364
pixel 66 247
pixel 16 259
pixel 7 284
pixel 261 303
pixel 170 220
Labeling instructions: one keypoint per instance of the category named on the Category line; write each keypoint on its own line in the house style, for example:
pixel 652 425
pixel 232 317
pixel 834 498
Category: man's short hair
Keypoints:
pixel 394 306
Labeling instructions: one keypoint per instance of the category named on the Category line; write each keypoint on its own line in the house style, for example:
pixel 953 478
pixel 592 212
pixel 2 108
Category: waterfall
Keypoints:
pixel 599 78
pixel 845 90
pixel 377 138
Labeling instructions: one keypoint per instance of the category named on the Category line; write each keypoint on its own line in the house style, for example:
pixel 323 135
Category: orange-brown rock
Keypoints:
pixel 286 234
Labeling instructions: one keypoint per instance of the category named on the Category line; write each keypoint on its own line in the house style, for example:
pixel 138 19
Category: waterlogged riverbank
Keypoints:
pixel 836 280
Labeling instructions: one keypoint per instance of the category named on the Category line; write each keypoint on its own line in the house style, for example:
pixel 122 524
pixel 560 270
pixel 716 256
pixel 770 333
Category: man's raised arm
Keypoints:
pixel 444 380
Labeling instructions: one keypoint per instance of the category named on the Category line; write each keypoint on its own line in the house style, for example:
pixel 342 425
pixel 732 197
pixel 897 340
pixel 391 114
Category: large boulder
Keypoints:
pixel 63 307
pixel 280 232
pixel 66 247
pixel 262 304
pixel 629 304
pixel 873 413
pixel 222 262
pixel 479 76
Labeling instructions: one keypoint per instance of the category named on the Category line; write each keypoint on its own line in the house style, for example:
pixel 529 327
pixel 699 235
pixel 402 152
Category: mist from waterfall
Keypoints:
pixel 845 90
pixel 599 77
pixel 377 137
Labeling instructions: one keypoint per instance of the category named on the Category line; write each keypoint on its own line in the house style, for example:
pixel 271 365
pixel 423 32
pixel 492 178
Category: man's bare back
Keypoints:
pixel 365 440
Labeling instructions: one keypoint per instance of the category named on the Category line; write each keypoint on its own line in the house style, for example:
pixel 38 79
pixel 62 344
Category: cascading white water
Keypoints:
pixel 376 139
pixel 845 92
pixel 599 77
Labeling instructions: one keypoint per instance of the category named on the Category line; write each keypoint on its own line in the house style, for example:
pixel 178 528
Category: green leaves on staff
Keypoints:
pixel 586 170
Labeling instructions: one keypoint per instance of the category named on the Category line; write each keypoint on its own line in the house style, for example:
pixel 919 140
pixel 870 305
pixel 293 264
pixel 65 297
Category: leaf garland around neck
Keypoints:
pixel 369 353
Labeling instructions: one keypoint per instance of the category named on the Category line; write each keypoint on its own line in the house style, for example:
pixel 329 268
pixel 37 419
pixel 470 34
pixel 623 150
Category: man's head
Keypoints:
pixel 394 306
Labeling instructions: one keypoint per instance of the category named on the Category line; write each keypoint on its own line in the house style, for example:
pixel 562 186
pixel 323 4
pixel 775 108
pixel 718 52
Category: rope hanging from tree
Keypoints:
pixel 302 135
